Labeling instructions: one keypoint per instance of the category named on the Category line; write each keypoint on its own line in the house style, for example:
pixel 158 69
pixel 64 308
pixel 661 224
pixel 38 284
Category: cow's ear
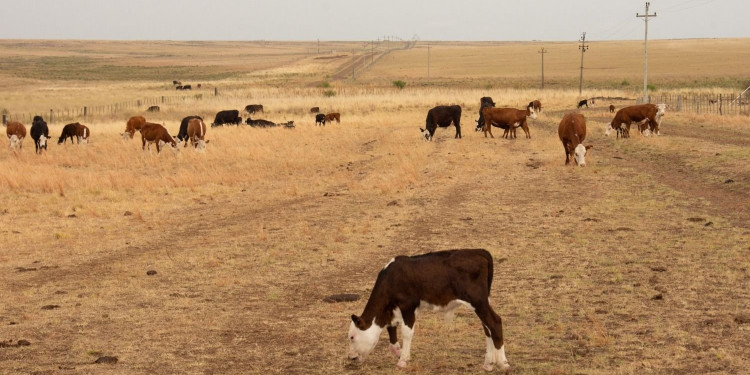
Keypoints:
pixel 589 147
pixel 357 321
pixel 420 129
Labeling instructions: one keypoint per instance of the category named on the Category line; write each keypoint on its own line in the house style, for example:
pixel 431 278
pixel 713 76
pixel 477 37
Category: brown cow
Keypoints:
pixel 647 116
pixel 572 132
pixel 82 133
pixel 611 108
pixel 510 117
pixel 16 133
pixel 333 116
pixel 314 109
pixel 134 124
pixel 156 133
pixel 196 133
pixel 537 106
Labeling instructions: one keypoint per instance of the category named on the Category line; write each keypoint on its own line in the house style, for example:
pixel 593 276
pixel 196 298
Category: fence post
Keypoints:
pixel 216 91
pixel 85 111
pixel 720 103
pixel 139 102
pixel 5 120
pixel 679 103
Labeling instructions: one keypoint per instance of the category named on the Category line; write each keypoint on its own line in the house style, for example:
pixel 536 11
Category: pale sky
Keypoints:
pixel 482 20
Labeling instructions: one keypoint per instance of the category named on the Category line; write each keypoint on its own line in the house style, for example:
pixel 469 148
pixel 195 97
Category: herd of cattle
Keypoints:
pixel 571 130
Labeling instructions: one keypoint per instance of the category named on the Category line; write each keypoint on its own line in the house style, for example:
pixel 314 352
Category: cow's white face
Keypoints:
pixel 425 134
pixel 43 142
pixel 647 132
pixel 362 343
pixel 661 109
pixel 15 141
pixel 533 113
pixel 201 145
pixel 580 155
pixel 84 141
pixel 126 136
pixel 607 130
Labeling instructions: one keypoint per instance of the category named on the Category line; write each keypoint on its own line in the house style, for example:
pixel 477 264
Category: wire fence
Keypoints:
pixel 61 115
pixel 717 104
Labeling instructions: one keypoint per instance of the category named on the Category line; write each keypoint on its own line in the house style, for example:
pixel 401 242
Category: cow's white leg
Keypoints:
pixel 407 334
pixel 489 357
pixel 395 349
pixel 500 359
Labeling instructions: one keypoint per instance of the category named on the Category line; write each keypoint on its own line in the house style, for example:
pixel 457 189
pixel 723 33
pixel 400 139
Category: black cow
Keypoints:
pixel 40 134
pixel 153 108
pixel 585 102
pixel 187 87
pixel 484 102
pixel 178 87
pixel 252 108
pixel 442 116
pixel 320 119
pixel 182 135
pixel 231 116
pixel 259 122
pixel 69 131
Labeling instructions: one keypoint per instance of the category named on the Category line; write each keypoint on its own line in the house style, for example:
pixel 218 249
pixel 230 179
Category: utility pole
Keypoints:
pixel 542 51
pixel 318 46
pixel 372 54
pixel 428 60
pixel 645 51
pixel 583 47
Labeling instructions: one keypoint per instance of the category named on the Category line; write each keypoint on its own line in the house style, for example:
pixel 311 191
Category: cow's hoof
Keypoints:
pixel 402 364
pixel 396 350
pixel 505 367
pixel 487 367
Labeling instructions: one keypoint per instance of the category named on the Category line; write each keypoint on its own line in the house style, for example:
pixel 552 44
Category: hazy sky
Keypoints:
pixel 367 20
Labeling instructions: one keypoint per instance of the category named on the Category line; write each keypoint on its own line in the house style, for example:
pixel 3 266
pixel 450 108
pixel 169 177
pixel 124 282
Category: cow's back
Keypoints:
pixel 196 128
pixel 15 128
pixel 135 123
pixel 572 124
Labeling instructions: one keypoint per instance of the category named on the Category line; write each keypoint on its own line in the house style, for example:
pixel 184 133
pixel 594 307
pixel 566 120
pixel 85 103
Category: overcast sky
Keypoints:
pixel 495 20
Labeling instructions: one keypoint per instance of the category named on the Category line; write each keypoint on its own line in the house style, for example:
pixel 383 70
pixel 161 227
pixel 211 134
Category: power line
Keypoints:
pixel 645 51
pixel 583 47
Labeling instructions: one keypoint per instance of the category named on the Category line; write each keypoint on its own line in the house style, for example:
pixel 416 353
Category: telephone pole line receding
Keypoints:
pixel 645 52
pixel 428 60
pixel 542 51
pixel 583 47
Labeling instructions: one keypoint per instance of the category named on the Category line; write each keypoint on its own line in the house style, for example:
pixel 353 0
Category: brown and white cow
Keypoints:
pixel 158 134
pixel 134 124
pixel 333 116
pixel 196 132
pixel 611 108
pixel 77 130
pixel 572 132
pixel 647 116
pixel 510 117
pixel 537 106
pixel 440 281
pixel 16 132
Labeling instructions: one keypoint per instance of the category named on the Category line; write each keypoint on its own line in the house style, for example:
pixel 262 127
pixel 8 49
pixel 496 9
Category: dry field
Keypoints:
pixel 637 263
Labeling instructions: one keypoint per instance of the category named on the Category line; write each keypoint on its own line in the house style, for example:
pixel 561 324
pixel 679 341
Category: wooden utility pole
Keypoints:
pixel 542 51
pixel 583 47
pixel 428 60
pixel 372 54
pixel 645 52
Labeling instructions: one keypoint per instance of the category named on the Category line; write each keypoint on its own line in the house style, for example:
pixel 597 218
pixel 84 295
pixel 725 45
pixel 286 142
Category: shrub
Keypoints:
pixel 625 83
pixel 651 87
pixel 400 84
pixel 329 93
pixel 324 85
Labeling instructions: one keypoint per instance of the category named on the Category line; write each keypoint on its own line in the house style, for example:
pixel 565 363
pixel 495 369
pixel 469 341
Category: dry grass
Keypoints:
pixel 248 237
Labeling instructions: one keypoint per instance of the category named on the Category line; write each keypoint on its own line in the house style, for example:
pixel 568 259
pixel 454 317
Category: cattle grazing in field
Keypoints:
pixel 259 122
pixel 442 116
pixel 288 124
pixel 252 108
pixel 187 87
pixel 647 116
pixel 485 101
pixel 537 106
pixel 197 134
pixel 507 117
pixel 440 281
pixel 231 116
pixel 314 109
pixel 178 87
pixel 176 82
pixel 134 124
pixel 182 134
pixel 157 134
pixel 16 132
pixel 585 102
pixel 333 116
pixel 572 132
pixel 320 119
pixel 199 85
pixel 77 130
pixel 153 108
pixel 611 108
pixel 40 134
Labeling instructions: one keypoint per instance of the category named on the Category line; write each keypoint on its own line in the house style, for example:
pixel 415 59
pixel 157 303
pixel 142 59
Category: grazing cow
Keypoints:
pixel 507 117
pixel 611 108
pixel 314 109
pixel 134 124
pixel 333 116
pixel 175 82
pixel 197 134
pixel 439 281
pixel 40 134
pixel 16 133
pixel 537 106
pixel 158 134
pixel 572 132
pixel 80 132
pixel 585 102
pixel 320 119
pixel 182 134
pixel 231 116
pixel 288 124
pixel 259 122
pixel 153 108
pixel 178 87
pixel 187 87
pixel 647 116
pixel 442 116
pixel 199 85
pixel 252 108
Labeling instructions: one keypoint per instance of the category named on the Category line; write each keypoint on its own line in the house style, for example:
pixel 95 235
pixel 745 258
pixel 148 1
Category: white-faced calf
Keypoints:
pixel 134 124
pixel 16 133
pixel 572 132
pixel 196 132
pixel 156 133
pixel 438 281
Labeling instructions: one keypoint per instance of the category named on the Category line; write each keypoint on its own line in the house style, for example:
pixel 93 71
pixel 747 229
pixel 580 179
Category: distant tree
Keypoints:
pixel 400 84
pixel 329 93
